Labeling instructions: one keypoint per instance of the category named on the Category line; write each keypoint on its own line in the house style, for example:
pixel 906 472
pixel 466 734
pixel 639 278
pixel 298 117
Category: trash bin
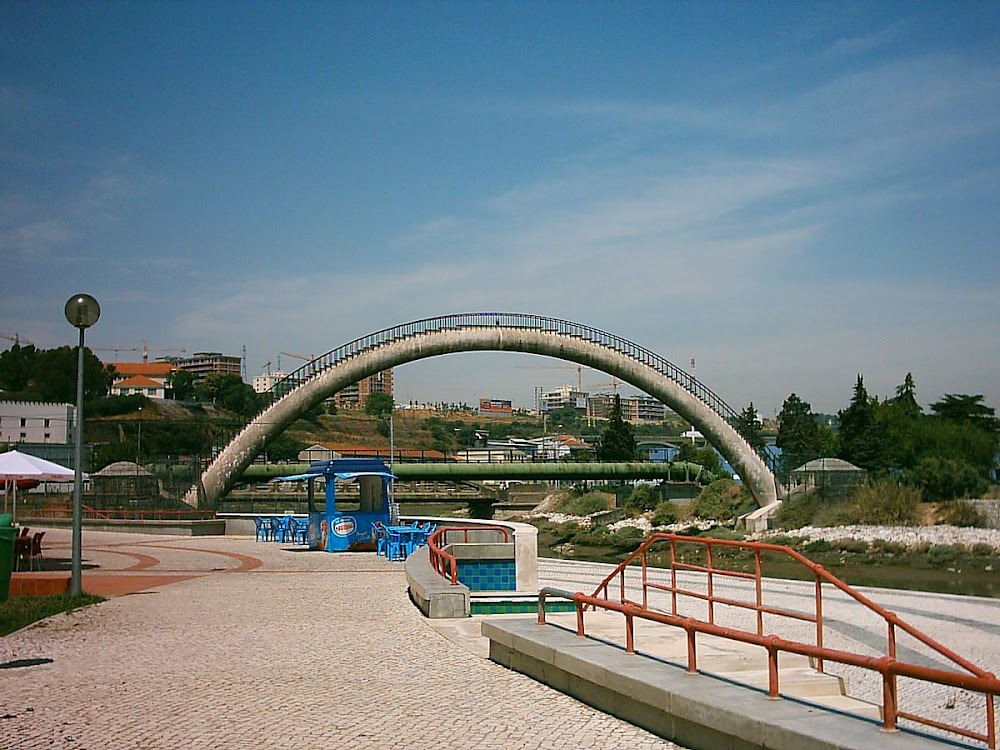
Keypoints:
pixel 6 553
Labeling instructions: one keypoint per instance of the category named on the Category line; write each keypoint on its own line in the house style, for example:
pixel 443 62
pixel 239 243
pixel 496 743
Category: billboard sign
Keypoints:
pixel 496 407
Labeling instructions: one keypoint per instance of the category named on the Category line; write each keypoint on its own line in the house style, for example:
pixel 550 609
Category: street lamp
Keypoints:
pixel 82 311
pixel 138 442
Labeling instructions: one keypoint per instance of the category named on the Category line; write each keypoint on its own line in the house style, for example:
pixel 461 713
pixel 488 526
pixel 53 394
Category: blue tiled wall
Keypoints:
pixel 488 575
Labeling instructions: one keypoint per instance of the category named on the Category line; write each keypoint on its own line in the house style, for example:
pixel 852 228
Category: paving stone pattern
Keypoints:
pixel 307 650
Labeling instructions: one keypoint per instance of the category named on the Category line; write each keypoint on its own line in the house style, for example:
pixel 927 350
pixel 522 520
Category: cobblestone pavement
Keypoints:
pixel 969 626
pixel 306 649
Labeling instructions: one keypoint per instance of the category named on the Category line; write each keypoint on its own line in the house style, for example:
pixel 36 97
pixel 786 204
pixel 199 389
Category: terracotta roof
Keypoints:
pixel 138 381
pixel 149 369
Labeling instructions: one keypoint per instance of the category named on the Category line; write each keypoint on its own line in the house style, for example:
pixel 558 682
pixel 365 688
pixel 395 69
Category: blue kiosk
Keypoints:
pixel 346 524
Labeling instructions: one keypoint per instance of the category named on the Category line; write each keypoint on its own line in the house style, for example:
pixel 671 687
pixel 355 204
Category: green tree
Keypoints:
pixel 226 391
pixel 180 384
pixel 905 401
pixel 798 434
pixel 947 478
pixel 969 410
pixel 862 438
pixel 379 405
pixel 748 424
pixel 618 440
pixel 705 457
pixel 16 365
pixel 284 448
pixel 900 417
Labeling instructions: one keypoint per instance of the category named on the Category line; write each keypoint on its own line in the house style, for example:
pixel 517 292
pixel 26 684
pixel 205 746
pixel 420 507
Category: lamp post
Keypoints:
pixel 82 311
pixel 138 442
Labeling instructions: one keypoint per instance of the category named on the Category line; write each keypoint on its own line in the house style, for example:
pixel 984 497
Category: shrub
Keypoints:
pixel 940 554
pixel 947 478
pixel 884 504
pixel 642 498
pixel 664 514
pixel 851 545
pixel 963 513
pixel 794 514
pixel 627 538
pixel 884 546
pixel 816 545
pixel 592 502
pixel 112 406
pixel 833 514
pixel 720 533
pixel 722 500
pixel 597 537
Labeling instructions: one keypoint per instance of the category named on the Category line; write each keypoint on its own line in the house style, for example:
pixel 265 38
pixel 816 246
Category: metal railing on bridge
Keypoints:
pixel 526 321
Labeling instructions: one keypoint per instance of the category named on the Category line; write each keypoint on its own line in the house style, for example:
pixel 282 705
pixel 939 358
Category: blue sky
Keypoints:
pixel 790 193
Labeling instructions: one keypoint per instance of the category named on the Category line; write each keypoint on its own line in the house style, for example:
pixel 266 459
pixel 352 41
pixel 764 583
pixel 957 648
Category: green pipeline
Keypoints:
pixel 679 471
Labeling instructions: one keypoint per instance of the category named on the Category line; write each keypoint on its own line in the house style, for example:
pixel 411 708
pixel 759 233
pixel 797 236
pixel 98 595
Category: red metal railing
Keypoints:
pixel 65 510
pixel 443 561
pixel 887 665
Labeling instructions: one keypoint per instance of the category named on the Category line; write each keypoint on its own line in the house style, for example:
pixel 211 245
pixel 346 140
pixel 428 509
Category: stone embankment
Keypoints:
pixel 908 536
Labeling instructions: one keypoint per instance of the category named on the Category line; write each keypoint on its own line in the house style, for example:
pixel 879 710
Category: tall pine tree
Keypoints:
pixel 798 434
pixel 618 440
pixel 862 439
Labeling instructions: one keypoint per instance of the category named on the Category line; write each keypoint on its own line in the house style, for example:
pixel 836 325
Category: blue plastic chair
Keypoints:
pixel 395 545
pixel 301 530
pixel 263 528
pixel 381 536
pixel 277 530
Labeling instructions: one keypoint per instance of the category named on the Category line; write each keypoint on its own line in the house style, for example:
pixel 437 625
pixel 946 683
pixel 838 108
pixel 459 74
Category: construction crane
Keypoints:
pixel 16 338
pixel 303 357
pixel 579 371
pixel 146 350
pixel 115 349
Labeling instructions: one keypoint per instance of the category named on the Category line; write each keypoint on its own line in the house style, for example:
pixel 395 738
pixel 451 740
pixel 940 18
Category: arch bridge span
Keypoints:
pixel 467 332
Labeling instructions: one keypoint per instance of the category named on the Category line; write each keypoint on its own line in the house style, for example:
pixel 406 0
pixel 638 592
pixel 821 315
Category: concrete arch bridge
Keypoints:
pixel 484 331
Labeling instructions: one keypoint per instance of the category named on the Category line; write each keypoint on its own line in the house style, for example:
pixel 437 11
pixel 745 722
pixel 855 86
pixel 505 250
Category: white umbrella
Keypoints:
pixel 15 465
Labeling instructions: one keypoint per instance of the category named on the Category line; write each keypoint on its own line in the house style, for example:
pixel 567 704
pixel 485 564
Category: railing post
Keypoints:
pixel 629 633
pixel 991 727
pixel 772 670
pixel 889 705
pixel 579 619
pixel 760 590
pixel 819 620
pixel 711 590
pixel 691 648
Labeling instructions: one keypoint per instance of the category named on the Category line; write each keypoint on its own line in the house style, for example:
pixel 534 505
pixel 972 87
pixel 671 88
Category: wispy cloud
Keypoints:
pixel 874 40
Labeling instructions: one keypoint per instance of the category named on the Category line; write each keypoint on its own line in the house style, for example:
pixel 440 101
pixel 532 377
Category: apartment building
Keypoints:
pixel 36 422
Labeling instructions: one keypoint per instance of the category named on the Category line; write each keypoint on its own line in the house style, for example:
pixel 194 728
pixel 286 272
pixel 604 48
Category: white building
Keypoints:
pixel 139 385
pixel 560 398
pixel 36 422
pixel 266 383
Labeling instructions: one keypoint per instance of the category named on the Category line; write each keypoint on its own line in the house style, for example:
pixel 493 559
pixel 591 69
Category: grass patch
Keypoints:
pixel 20 611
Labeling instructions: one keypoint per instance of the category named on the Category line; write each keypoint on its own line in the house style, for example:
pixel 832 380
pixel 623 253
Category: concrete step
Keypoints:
pixel 739 662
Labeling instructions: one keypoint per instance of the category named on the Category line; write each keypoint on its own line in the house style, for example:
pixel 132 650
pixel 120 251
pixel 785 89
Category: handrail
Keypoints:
pixel 128 514
pixel 444 562
pixel 888 665
pixel 460 321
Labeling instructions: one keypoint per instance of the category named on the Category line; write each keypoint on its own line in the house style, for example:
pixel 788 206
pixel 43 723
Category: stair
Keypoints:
pixel 730 660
